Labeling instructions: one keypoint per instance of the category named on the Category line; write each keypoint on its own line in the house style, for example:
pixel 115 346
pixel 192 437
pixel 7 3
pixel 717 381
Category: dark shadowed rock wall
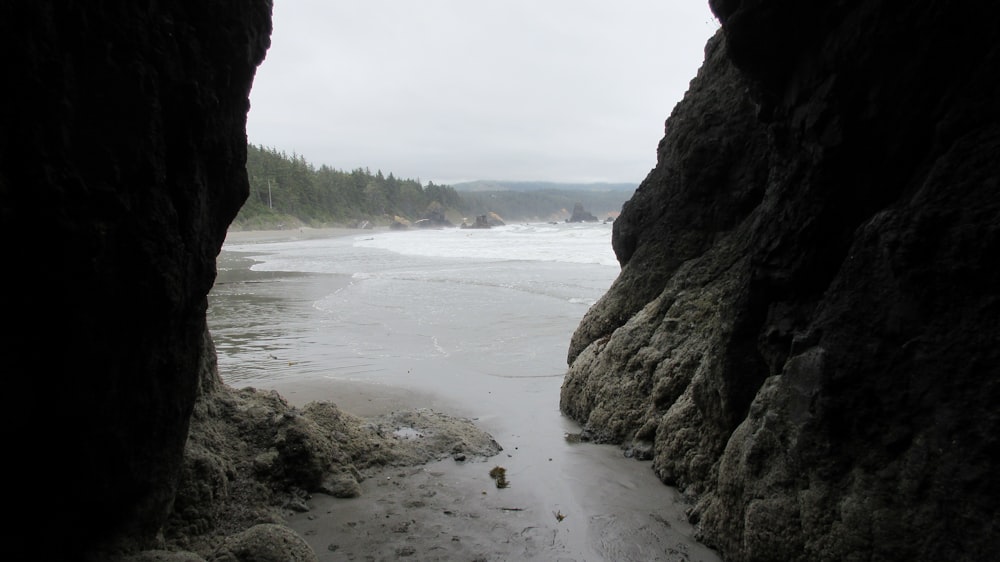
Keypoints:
pixel 804 334
pixel 122 163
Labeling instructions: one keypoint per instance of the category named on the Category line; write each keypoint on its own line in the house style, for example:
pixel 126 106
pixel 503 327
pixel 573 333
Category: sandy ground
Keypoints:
pixel 565 500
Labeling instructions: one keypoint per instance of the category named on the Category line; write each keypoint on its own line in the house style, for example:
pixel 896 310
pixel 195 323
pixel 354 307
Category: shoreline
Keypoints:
pixel 289 234
pixel 566 499
pixel 362 399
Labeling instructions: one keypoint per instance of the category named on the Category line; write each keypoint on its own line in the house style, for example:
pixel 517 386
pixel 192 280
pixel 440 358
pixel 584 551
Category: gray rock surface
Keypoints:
pixel 253 459
pixel 265 543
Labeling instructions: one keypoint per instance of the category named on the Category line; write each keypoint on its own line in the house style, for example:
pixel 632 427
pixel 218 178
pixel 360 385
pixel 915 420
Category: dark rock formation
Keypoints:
pixel 122 162
pixel 804 329
pixel 434 217
pixel 488 220
pixel 580 214
pixel 481 222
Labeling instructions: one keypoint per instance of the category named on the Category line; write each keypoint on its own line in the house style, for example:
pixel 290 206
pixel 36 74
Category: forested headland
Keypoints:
pixel 287 191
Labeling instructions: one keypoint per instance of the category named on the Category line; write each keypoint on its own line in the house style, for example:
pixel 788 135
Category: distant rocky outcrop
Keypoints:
pixel 484 221
pixel 399 223
pixel 803 336
pixel 579 214
pixel 479 222
pixel 434 217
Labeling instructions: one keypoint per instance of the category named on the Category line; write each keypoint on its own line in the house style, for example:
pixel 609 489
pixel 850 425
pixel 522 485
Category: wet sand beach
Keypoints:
pixel 565 500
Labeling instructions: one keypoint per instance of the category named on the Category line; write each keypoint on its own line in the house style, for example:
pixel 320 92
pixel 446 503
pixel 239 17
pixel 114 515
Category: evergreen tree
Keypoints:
pixel 288 190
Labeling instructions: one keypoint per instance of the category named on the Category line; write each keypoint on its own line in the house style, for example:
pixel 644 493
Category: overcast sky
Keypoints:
pixel 457 90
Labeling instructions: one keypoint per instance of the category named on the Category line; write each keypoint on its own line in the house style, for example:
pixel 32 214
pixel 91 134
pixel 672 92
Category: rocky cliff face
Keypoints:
pixel 122 163
pixel 803 336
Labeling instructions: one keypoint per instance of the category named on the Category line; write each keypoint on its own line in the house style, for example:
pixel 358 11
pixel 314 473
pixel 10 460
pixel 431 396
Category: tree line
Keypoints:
pixel 286 189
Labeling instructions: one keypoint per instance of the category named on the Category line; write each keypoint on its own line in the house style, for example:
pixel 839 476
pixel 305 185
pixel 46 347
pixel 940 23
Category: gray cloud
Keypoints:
pixel 453 90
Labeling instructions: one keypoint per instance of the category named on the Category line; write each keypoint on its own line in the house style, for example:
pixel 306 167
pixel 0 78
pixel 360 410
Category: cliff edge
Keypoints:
pixel 803 336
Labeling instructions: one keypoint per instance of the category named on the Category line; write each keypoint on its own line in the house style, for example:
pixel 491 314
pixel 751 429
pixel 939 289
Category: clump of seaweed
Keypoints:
pixel 499 474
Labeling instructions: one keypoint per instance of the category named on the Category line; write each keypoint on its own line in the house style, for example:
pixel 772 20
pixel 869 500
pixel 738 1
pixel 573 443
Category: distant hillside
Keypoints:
pixel 285 189
pixel 501 185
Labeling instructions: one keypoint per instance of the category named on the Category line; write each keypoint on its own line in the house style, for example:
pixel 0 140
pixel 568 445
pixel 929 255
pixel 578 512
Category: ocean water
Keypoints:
pixel 424 309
